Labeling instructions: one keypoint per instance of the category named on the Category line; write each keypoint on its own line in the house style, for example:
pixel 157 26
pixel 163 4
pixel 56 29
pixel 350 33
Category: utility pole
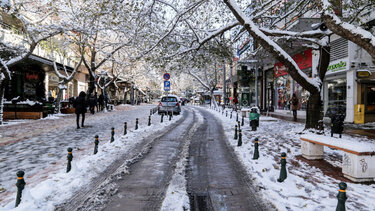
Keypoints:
pixel 224 85
pixel 256 87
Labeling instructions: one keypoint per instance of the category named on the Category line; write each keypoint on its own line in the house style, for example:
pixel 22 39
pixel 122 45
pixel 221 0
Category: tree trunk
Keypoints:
pixel 213 100
pixel 91 87
pixel 2 87
pixel 105 100
pixel 58 102
pixel 314 112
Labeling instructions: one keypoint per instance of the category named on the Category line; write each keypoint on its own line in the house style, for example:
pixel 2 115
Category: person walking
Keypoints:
pixel 235 102
pixel 294 103
pixel 80 106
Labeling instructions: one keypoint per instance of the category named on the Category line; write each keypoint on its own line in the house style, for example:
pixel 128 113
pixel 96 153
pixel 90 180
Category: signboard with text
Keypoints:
pixel 167 86
pixel 303 60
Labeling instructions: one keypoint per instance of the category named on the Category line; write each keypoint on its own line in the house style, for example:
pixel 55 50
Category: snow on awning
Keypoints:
pixel 215 93
pixel 48 62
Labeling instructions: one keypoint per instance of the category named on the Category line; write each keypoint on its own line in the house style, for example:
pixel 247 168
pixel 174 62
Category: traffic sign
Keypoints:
pixel 167 86
pixel 166 76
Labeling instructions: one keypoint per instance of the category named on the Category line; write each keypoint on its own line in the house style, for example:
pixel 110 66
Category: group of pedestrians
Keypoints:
pixel 81 103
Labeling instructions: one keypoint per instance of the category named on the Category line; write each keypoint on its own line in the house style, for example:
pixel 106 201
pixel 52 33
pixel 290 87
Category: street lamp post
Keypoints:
pixel 224 85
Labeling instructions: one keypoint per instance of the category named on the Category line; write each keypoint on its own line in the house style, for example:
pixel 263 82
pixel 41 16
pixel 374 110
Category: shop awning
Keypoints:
pixel 48 62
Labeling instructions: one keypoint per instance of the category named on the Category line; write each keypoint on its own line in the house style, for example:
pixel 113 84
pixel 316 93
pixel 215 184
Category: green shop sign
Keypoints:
pixel 336 67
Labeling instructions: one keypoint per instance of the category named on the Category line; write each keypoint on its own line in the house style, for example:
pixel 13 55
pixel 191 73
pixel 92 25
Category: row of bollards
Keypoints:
pixel 341 196
pixel 20 174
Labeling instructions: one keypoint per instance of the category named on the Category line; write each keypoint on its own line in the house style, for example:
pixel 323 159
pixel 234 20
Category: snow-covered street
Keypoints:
pixel 45 153
pixel 306 187
pixel 184 159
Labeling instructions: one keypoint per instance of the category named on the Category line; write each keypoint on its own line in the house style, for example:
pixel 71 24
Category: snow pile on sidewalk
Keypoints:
pixel 58 186
pixel 306 187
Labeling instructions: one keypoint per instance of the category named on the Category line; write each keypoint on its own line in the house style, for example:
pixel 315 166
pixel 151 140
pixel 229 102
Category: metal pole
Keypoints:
pixel 224 85
pixel 256 87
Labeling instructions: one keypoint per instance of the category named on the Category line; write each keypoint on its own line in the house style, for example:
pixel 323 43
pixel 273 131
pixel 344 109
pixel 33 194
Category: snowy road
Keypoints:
pixel 37 149
pixel 308 186
pixel 140 184
pixel 216 180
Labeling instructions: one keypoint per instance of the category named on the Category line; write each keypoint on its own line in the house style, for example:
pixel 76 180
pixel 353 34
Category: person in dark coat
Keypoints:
pixel 294 102
pixel 80 106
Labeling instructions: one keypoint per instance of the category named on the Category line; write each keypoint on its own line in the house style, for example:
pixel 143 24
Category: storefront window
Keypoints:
pixel 302 95
pixel 283 90
pixel 370 98
pixel 337 93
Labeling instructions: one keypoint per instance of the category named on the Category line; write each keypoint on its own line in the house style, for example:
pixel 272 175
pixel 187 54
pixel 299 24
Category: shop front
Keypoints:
pixel 366 82
pixel 285 86
pixel 268 90
pixel 335 86
pixel 27 82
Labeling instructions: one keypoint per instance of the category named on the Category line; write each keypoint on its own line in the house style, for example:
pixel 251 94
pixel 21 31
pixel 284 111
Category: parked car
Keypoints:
pixel 168 104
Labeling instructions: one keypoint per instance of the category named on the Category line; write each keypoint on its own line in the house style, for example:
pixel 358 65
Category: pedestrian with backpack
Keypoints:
pixel 294 103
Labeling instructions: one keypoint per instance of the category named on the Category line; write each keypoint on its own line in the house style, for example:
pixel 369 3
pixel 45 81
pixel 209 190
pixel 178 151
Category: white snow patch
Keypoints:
pixel 59 186
pixel 176 197
pixel 306 187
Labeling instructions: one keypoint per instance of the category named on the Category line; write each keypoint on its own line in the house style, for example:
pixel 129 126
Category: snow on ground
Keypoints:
pixel 20 121
pixel 176 196
pixel 47 182
pixel 14 122
pixel 306 187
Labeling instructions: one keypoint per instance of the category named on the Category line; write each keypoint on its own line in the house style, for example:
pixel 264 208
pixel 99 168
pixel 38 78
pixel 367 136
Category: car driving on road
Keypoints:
pixel 168 104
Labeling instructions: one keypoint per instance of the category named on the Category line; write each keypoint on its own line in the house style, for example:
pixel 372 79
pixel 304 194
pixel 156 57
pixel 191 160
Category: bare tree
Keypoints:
pixel 33 32
pixel 64 78
pixel 252 20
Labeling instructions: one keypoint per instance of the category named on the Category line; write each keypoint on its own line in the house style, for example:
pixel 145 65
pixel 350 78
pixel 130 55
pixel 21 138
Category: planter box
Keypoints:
pixel 68 110
pixel 23 115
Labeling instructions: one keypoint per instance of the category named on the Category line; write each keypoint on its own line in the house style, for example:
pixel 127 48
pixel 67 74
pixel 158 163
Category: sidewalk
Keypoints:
pixel 367 129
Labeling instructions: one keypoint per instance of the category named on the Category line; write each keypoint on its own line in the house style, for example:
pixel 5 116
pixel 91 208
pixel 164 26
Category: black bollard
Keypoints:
pixel 341 196
pixel 222 112
pixel 283 173
pixel 236 116
pixel 125 128
pixel 112 134
pixel 149 120
pixel 170 117
pixel 70 158
pixel 243 121
pixel 162 117
pixel 226 113
pixel 239 138
pixel 20 186
pixel 231 115
pixel 239 124
pixel 96 144
pixel 235 132
pixel 256 149
pixel 136 123
pixel 150 112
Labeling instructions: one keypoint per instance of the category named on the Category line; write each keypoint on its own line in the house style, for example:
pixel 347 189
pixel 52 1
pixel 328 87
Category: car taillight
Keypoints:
pixel 177 104
pixel 160 104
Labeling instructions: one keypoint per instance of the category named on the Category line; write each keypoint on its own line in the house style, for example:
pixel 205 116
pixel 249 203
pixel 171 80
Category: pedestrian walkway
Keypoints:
pixel 367 130
pixel 39 144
